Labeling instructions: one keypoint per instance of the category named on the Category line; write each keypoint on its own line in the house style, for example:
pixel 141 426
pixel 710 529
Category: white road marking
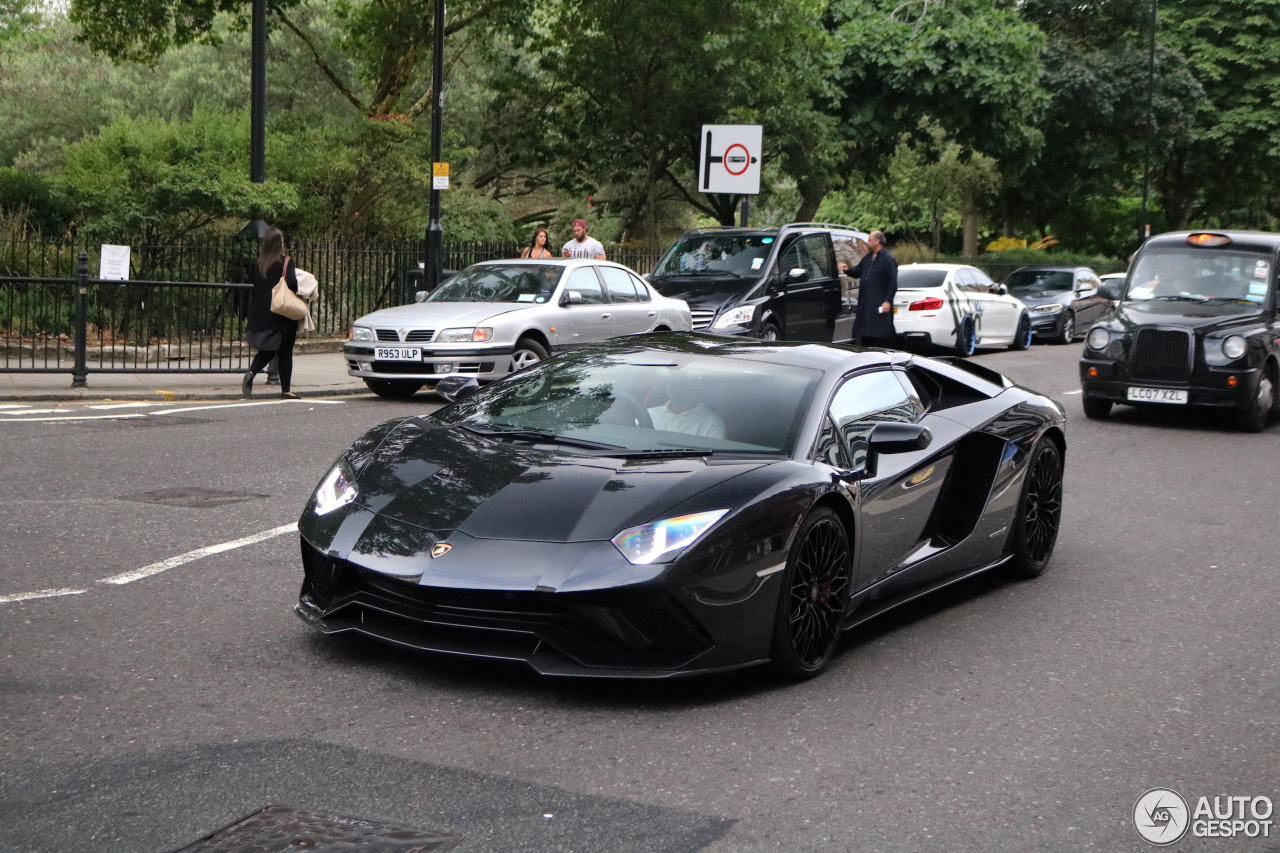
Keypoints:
pixel 40 412
pixel 126 405
pixel 44 593
pixel 75 418
pixel 241 405
pixel 199 553
pixel 13 406
pixel 1069 393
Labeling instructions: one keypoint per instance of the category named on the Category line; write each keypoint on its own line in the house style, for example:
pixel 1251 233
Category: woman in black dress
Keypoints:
pixel 269 333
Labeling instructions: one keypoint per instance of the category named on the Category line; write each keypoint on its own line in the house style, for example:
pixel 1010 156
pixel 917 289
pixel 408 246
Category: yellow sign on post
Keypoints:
pixel 439 176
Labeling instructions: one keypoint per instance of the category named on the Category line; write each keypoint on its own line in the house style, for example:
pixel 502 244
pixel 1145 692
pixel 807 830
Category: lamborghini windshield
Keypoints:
pixel 646 402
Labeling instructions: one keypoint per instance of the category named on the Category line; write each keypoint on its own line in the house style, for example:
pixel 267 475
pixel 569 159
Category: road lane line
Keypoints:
pixel 199 553
pixel 40 412
pixel 13 406
pixel 44 593
pixel 241 405
pixel 57 420
pixel 127 405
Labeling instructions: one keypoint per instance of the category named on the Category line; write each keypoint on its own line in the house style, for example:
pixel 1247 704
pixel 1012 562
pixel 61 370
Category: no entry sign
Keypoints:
pixel 730 161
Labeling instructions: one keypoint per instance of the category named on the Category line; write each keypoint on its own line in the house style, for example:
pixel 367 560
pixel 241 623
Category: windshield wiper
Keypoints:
pixel 1181 297
pixel 1230 299
pixel 538 435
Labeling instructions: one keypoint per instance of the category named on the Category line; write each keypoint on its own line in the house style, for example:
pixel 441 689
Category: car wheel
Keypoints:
pixel 393 390
pixel 528 352
pixel 814 597
pixel 1039 513
pixel 1254 418
pixel 966 338
pixel 1068 333
pixel 1022 340
pixel 770 332
pixel 1095 408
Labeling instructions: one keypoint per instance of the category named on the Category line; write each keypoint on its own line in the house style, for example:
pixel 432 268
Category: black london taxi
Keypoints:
pixel 1195 325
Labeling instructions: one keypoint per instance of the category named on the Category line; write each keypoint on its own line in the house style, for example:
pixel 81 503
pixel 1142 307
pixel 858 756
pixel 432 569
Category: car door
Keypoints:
pixel 810 305
pixel 591 319
pixel 898 499
pixel 1086 304
pixel 1001 312
pixel 631 316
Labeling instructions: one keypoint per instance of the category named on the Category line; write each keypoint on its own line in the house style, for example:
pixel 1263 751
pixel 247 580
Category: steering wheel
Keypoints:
pixel 627 411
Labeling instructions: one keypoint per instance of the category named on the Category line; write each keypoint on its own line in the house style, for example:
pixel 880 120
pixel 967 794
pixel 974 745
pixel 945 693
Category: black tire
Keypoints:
pixel 814 598
pixel 392 389
pixel 1254 418
pixel 1039 512
pixel 1095 408
pixel 770 332
pixel 527 353
pixel 1067 334
pixel 967 339
pixel 1022 338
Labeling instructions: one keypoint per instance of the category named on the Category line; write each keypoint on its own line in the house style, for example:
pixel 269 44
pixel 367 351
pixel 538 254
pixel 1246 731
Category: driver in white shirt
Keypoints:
pixel 684 412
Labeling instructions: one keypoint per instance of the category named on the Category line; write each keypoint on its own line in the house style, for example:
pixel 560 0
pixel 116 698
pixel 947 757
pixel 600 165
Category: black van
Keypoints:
pixel 770 283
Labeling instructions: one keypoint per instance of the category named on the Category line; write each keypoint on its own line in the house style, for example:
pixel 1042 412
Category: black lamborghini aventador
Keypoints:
pixel 672 504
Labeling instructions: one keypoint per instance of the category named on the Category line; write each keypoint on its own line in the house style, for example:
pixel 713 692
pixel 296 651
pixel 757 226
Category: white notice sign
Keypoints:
pixel 730 161
pixel 439 182
pixel 113 264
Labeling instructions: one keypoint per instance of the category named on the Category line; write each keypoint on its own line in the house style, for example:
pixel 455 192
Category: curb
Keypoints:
pixel 173 396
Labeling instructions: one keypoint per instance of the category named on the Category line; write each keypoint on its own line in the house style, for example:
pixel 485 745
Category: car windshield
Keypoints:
pixel 909 279
pixel 1200 275
pixel 647 402
pixel 500 283
pixel 1036 283
pixel 711 254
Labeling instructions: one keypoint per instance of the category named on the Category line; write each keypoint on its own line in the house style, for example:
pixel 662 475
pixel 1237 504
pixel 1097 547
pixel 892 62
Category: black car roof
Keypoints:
pixel 802 227
pixel 1256 240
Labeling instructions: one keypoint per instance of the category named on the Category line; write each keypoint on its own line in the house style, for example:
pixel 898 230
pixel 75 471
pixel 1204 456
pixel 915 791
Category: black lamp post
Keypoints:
pixel 1144 228
pixel 435 234
pixel 258 95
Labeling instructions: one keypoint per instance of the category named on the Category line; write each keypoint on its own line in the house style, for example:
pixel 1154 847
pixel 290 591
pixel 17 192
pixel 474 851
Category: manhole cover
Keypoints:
pixel 279 829
pixel 192 496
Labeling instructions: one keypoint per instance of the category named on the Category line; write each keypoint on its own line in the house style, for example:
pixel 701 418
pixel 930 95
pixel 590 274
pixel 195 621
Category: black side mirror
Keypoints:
pixel 456 387
pixel 1109 290
pixel 890 438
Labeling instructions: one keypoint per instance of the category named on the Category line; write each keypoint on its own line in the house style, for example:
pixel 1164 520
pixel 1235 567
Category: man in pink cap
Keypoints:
pixel 582 246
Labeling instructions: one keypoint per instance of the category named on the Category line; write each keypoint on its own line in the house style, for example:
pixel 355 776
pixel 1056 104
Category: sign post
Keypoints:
pixel 730 160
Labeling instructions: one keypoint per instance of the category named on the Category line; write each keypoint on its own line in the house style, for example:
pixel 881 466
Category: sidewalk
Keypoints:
pixel 319 375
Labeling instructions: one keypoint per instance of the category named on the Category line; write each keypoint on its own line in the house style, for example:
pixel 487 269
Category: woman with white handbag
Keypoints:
pixel 274 312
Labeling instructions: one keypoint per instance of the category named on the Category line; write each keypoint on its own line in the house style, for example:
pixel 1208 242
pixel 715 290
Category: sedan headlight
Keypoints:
pixel 362 333
pixel 456 335
pixel 1234 346
pixel 735 317
pixel 1055 308
pixel 337 489
pixel 1098 338
pixel 660 540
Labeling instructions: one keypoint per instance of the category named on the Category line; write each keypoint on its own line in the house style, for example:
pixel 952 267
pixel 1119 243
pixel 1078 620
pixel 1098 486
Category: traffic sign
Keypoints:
pixel 730 160
pixel 439 176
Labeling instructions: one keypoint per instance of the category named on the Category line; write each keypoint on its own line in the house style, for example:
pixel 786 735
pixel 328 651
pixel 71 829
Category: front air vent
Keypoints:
pixel 1162 354
pixel 390 335
pixel 702 319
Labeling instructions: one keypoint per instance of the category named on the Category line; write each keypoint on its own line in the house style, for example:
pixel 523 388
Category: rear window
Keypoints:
pixel 909 279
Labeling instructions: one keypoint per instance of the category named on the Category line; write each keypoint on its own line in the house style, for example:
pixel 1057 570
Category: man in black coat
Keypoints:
pixel 877 273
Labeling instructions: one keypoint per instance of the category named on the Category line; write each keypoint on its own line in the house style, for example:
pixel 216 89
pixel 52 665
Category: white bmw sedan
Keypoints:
pixel 958 307
pixel 498 317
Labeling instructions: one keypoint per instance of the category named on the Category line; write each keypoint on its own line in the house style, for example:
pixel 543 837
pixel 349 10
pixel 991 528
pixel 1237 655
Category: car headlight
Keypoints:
pixel 1098 338
pixel 456 335
pixel 337 489
pixel 735 317
pixel 1234 346
pixel 660 540
pixel 1055 308
pixel 362 333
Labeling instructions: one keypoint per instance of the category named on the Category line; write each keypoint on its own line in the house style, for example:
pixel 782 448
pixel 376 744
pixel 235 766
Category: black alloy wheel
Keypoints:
pixel 1096 409
pixel 1022 340
pixel 1039 512
pixel 528 352
pixel 1068 333
pixel 1254 418
pixel 814 598
pixel 393 390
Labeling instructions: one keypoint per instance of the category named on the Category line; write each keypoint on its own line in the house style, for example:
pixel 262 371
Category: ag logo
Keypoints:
pixel 441 548
pixel 1161 816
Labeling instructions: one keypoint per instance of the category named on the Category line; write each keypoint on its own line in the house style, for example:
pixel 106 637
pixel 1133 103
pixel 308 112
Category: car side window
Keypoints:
pixel 819 257
pixel 982 280
pixel 794 256
pixel 830 449
pixel 962 280
pixel 642 289
pixel 868 399
pixel 619 283
pixel 585 282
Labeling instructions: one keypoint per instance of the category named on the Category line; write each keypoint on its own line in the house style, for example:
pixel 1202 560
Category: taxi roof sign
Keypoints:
pixel 1205 239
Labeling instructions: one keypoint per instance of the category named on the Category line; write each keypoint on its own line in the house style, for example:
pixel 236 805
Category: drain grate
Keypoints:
pixel 279 828
pixel 192 496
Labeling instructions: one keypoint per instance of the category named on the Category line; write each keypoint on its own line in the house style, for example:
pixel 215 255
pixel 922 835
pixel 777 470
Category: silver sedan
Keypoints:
pixel 498 317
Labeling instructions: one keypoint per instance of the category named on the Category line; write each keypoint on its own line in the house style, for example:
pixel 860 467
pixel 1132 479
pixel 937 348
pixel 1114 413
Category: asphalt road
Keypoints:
pixel 995 716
